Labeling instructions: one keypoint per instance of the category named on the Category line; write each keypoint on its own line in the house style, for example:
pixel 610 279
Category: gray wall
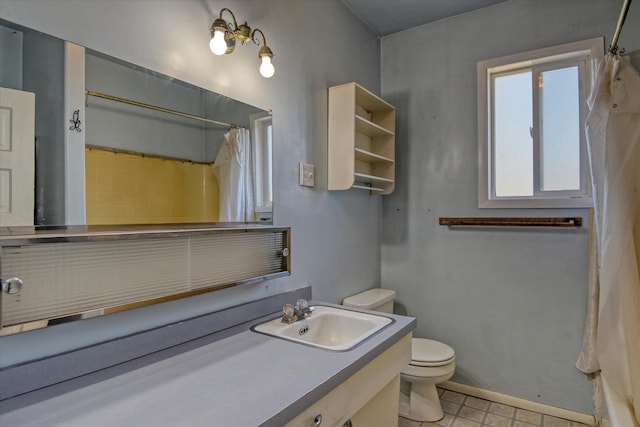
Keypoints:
pixel 336 236
pixel 11 58
pixel 125 127
pixel 510 302
pixel 116 125
pixel 43 74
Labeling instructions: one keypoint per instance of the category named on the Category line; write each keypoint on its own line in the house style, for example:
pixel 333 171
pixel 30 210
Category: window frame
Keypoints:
pixel 556 57
pixel 261 127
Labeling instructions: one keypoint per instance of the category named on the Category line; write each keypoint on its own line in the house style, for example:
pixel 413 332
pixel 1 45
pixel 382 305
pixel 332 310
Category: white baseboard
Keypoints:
pixel 521 403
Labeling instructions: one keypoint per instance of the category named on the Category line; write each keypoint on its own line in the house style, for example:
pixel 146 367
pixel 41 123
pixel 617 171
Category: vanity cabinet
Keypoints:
pixel 369 397
pixel 361 140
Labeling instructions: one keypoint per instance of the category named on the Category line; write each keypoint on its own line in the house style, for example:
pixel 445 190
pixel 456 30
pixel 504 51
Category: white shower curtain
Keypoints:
pixel 233 169
pixel 612 336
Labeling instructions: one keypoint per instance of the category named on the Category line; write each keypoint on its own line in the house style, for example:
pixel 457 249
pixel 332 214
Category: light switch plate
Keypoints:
pixel 307 175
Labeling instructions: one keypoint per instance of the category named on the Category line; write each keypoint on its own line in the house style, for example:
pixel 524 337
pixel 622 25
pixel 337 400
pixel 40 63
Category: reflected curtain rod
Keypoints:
pixel 613 47
pixel 144 155
pixel 519 221
pixel 156 108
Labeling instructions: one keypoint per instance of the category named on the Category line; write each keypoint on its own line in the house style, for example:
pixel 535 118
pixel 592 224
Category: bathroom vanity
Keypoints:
pixel 230 376
pixel 367 398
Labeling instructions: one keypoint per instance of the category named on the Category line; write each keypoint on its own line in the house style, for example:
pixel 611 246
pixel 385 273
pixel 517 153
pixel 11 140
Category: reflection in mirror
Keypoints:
pixel 156 150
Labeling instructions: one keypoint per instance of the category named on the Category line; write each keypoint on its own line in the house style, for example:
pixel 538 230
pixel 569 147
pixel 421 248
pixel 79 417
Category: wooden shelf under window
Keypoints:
pixel 518 222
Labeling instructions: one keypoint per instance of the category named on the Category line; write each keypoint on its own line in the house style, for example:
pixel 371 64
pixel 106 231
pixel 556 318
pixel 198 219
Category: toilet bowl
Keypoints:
pixel 432 362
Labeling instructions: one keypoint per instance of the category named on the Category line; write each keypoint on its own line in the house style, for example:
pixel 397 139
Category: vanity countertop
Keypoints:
pixel 243 379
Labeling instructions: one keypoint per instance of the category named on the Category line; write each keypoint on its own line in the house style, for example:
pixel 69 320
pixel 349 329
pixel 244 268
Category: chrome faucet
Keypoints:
pixel 300 311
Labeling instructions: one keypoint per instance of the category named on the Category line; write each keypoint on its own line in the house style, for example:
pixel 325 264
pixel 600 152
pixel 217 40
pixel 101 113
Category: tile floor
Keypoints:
pixel 461 410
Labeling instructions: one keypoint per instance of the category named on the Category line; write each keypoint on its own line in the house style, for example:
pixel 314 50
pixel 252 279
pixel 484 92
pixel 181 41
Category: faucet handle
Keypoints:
pixel 288 310
pixel 303 309
pixel 289 313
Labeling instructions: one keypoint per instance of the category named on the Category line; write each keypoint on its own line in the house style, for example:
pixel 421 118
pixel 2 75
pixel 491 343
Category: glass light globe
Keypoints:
pixel 218 45
pixel 266 68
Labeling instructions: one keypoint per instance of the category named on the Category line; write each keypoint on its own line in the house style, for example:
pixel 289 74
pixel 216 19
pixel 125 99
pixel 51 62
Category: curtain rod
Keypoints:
pixel 520 221
pixel 144 155
pixel 613 47
pixel 156 108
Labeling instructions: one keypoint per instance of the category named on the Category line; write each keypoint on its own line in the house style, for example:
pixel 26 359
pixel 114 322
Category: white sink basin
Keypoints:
pixel 330 328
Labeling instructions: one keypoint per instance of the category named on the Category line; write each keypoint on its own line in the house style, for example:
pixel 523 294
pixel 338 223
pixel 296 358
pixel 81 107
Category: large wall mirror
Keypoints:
pixel 140 147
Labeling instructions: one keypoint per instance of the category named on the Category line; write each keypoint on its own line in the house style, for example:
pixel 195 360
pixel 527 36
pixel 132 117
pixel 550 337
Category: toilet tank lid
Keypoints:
pixel 370 299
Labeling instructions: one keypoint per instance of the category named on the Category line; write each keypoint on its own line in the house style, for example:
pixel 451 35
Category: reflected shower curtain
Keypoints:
pixel 612 336
pixel 233 168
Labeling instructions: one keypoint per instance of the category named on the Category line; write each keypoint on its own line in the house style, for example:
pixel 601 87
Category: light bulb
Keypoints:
pixel 218 45
pixel 266 68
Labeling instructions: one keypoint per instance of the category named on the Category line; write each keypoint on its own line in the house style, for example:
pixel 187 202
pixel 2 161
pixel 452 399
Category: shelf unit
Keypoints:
pixel 361 140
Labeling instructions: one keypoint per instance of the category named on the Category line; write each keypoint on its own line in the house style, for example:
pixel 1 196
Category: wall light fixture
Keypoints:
pixel 224 36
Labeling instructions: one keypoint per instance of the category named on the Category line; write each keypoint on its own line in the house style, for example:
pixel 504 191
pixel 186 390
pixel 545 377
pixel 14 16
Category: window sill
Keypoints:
pixel 578 202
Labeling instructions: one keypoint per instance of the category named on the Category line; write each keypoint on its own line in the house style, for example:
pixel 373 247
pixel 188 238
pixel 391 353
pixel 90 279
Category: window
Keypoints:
pixel 262 133
pixel 531 114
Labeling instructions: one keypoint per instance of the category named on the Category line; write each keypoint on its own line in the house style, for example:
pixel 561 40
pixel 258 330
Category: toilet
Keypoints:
pixel 432 362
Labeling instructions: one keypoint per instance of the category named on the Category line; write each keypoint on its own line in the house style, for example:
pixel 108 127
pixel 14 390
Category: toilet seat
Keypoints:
pixel 430 353
pixel 433 363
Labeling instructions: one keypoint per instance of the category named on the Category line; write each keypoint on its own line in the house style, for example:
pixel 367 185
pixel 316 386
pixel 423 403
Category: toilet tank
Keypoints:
pixel 374 299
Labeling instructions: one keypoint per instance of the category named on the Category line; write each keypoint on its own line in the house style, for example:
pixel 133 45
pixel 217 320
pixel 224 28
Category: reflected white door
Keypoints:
pixel 17 134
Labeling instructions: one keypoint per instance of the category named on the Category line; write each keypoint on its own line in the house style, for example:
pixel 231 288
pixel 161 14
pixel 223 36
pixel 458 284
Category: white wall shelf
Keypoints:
pixel 363 177
pixel 367 156
pixel 367 127
pixel 361 140
pixel 364 187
